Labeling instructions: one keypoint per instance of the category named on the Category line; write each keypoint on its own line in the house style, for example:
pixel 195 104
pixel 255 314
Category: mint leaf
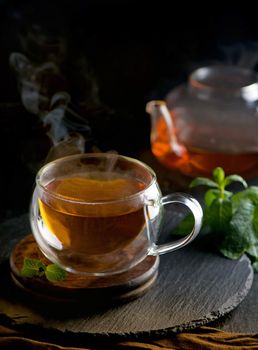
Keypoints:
pixel 233 247
pixel 55 273
pixel 255 220
pixel 185 226
pixel 234 178
pixel 210 196
pixel 241 235
pixel 218 175
pixel 255 266
pixel 35 268
pixel 213 194
pixel 231 220
pixel 251 193
pixel 203 181
pixel 32 268
pixel 219 214
pixel 253 251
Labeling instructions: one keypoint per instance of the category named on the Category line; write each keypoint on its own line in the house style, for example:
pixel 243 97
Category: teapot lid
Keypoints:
pixel 229 79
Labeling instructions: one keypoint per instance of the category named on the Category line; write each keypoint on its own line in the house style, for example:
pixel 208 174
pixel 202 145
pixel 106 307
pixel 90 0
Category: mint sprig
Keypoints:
pixel 35 268
pixel 55 273
pixel 230 217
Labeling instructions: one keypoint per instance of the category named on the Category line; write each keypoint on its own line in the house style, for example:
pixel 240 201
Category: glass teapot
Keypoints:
pixel 210 121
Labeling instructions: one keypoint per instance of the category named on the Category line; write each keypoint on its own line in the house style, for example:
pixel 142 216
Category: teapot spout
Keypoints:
pixel 163 133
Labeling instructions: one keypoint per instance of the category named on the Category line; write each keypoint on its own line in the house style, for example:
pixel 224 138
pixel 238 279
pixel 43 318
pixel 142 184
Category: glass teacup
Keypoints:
pixel 99 214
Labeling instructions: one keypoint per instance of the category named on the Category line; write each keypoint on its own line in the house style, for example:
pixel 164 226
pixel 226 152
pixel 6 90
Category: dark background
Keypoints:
pixel 113 56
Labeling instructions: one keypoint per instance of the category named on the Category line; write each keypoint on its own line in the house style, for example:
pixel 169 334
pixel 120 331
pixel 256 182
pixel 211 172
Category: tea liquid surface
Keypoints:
pixel 98 227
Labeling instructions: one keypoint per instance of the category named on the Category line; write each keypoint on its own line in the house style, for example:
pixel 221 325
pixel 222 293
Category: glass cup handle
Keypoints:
pixel 197 212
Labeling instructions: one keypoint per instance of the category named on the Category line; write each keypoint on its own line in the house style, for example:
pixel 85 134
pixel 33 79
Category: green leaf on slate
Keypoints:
pixel 241 235
pixel 255 266
pixel 55 273
pixel 255 221
pixel 232 218
pixel 32 268
pixel 219 214
pixel 251 193
pixel 253 251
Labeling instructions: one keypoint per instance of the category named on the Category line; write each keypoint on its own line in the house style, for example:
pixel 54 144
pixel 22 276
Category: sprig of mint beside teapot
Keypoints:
pixel 231 217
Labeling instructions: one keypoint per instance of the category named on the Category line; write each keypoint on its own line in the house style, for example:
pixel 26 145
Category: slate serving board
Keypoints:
pixel 194 286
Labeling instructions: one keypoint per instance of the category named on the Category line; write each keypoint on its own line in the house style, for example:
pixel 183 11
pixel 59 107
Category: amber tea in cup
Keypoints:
pixel 110 229
pixel 99 214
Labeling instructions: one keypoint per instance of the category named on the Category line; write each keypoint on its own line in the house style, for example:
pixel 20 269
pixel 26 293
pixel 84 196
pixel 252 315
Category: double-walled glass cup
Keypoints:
pixel 99 214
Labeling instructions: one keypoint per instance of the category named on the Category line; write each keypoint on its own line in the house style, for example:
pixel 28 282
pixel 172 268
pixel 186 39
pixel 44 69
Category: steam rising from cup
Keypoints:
pixel 64 126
